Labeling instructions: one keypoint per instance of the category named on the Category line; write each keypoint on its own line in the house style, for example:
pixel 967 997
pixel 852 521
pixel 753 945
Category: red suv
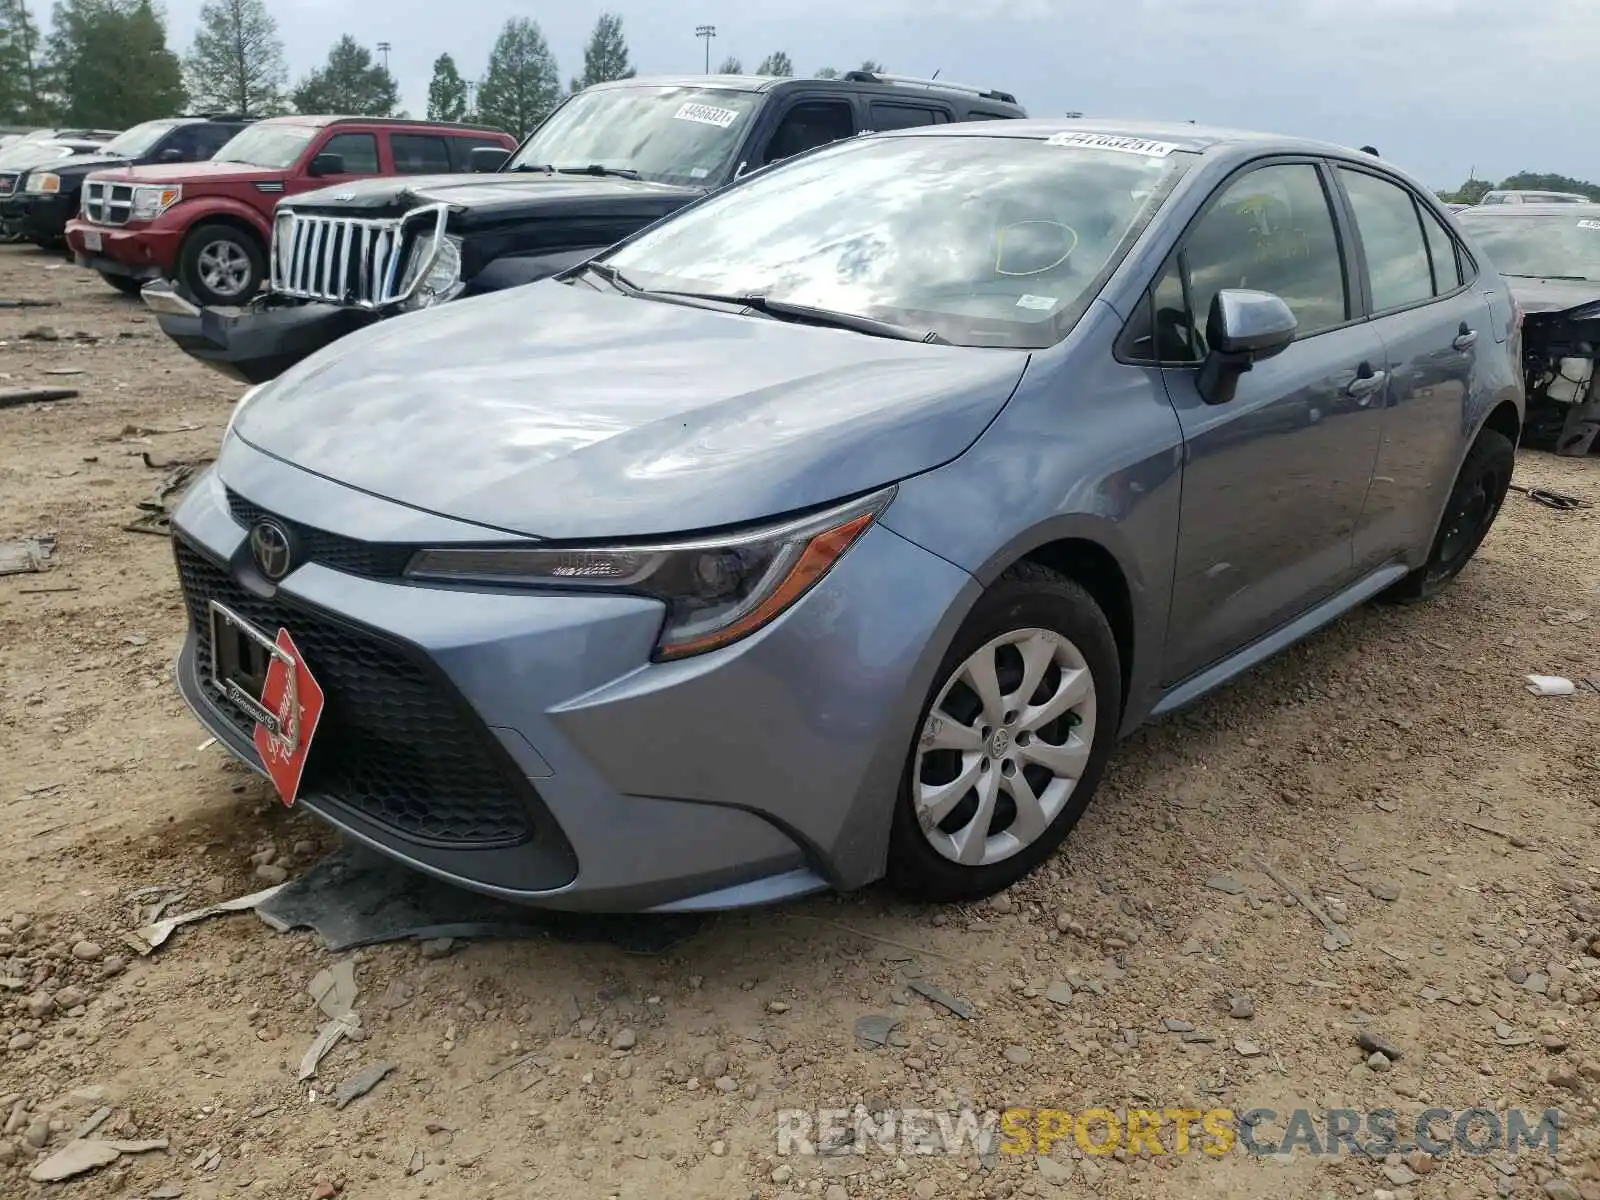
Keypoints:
pixel 207 225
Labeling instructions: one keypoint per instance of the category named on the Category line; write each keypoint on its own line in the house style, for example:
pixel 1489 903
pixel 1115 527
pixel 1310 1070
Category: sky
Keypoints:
pixel 1438 86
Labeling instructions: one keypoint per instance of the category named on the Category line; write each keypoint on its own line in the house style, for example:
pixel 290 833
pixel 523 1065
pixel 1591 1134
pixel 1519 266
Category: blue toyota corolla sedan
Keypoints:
pixel 836 527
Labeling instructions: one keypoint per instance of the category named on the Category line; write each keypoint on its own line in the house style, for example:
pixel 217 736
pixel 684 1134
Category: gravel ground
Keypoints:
pixel 1393 770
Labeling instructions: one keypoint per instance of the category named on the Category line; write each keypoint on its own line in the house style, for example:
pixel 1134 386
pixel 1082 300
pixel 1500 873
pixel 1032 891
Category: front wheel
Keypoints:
pixel 221 265
pixel 1480 489
pixel 1013 740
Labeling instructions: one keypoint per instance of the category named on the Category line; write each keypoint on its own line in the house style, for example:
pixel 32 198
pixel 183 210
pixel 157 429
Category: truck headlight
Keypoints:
pixel 441 275
pixel 716 590
pixel 44 184
pixel 151 200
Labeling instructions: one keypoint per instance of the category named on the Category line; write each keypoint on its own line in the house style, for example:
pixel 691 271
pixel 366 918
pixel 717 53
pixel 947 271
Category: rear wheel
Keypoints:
pixel 221 265
pixel 126 284
pixel 1469 514
pixel 1013 740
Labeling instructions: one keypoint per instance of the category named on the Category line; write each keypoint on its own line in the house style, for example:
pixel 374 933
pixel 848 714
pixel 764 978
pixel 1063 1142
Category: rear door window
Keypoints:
pixel 809 124
pixel 1447 272
pixel 904 116
pixel 419 154
pixel 461 149
pixel 1391 231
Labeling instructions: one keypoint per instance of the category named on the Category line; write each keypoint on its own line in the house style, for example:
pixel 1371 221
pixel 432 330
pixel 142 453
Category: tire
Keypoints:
pixel 925 865
pixel 125 284
pixel 217 253
pixel 1475 501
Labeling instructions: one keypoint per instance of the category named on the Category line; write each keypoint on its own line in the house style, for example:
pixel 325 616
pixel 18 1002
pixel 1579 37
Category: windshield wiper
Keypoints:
pixel 1574 278
pixel 598 169
pixel 807 315
pixel 614 277
pixel 545 168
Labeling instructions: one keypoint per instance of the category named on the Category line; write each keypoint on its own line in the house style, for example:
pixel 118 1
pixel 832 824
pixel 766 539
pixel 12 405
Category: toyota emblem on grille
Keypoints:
pixel 271 548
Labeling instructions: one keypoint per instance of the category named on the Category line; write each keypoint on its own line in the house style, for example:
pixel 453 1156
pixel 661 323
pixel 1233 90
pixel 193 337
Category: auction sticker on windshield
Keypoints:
pixel 1107 141
pixel 707 114
pixel 294 696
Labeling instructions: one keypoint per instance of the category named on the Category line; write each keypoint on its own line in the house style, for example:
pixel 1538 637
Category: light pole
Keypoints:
pixel 707 32
pixel 472 99
pixel 383 49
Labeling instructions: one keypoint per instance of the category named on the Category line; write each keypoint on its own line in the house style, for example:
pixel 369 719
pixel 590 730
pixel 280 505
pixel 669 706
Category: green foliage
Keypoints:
pixel 1473 190
pixel 22 98
pixel 349 84
pixel 731 66
pixel 236 62
pixel 109 65
pixel 827 73
pixel 523 84
pixel 447 93
pixel 606 57
pixel 776 64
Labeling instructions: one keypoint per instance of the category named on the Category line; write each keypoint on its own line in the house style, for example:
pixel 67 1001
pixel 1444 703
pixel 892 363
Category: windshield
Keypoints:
pixel 140 140
pixel 276 147
pixel 986 241
pixel 1542 246
pixel 681 135
pixel 34 154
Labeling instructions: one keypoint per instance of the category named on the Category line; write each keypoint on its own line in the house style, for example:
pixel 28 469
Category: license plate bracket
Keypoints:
pixel 241 656
pixel 92 240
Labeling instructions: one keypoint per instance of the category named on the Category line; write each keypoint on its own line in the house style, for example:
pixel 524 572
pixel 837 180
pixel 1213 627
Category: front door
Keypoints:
pixel 1274 480
pixel 359 152
pixel 805 123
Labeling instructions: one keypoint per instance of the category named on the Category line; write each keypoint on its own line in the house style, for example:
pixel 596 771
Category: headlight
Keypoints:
pixel 717 591
pixel 238 408
pixel 441 277
pixel 150 201
pixel 43 185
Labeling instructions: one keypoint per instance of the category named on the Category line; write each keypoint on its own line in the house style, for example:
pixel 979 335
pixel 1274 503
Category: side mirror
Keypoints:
pixel 326 164
pixel 172 155
pixel 486 160
pixel 1242 329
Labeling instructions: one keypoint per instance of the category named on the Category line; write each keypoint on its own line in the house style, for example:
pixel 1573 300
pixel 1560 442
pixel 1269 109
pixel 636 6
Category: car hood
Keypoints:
pixel 484 195
pixel 1552 295
pixel 89 162
pixel 554 411
pixel 194 173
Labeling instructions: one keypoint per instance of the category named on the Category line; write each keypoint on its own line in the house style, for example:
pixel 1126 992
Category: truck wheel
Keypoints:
pixel 221 265
pixel 126 284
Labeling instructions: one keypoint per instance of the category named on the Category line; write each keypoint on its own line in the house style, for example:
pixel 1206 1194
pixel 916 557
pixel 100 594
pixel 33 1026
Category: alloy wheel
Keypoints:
pixel 1004 746
pixel 223 267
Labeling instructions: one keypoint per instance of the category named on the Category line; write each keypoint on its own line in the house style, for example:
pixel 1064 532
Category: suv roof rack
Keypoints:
pixel 217 116
pixel 918 81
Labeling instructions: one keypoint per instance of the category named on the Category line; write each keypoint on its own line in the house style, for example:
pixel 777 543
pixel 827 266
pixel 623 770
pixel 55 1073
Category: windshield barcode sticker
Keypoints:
pixel 1107 141
pixel 1040 302
pixel 1589 224
pixel 706 114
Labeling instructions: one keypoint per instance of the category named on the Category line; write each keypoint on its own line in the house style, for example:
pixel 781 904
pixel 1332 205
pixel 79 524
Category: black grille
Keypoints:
pixel 393 744
pixel 375 560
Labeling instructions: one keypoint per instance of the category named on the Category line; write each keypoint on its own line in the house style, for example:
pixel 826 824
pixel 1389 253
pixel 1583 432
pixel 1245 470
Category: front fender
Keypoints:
pixel 186 214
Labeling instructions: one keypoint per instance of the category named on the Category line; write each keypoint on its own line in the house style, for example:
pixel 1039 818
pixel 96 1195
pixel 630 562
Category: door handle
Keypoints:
pixel 1366 383
pixel 1466 338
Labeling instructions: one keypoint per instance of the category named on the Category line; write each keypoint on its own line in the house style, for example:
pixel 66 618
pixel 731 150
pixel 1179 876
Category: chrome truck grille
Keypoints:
pixel 107 203
pixel 359 262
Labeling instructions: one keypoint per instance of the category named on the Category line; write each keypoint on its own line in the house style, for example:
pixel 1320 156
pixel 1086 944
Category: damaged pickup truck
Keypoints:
pixel 606 163
pixel 1550 257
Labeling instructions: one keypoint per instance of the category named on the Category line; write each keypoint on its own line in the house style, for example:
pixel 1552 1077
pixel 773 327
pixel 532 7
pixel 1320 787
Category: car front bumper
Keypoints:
pixel 139 252
pixel 255 343
pixel 39 217
pixel 524 745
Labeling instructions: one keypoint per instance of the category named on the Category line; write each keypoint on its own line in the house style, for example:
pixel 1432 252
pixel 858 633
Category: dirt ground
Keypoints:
pixel 1394 769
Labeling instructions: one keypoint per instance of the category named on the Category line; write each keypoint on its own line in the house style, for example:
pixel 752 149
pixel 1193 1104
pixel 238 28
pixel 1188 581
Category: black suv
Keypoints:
pixel 607 162
pixel 47 197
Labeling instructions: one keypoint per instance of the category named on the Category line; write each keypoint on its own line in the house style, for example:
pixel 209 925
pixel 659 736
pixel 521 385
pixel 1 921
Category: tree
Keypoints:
pixel 731 66
pixel 22 98
pixel 522 84
pixel 872 67
pixel 236 62
pixel 349 83
pixel 776 64
pixel 606 57
pixel 827 72
pixel 108 64
pixel 447 94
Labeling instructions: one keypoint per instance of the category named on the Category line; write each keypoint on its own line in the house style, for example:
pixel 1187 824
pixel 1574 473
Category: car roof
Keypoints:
pixel 1195 139
pixel 850 81
pixel 320 120
pixel 1527 210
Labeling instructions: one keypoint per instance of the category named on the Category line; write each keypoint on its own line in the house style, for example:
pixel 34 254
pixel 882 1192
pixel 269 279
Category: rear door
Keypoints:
pixel 1433 324
pixel 885 114
pixel 419 154
pixel 1274 480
